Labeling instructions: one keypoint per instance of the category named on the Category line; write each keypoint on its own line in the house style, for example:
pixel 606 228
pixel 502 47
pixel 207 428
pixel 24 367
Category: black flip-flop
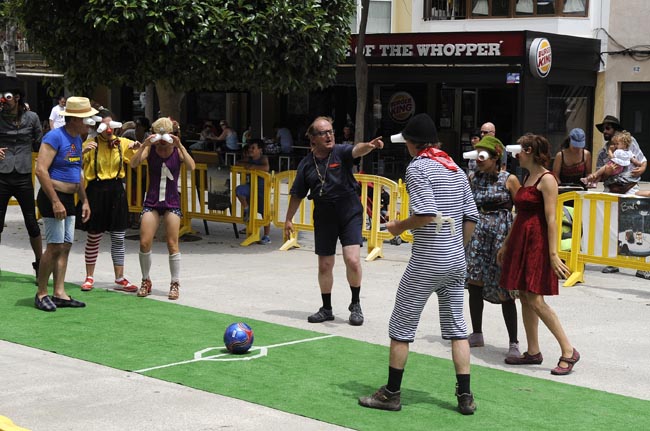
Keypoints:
pixel 44 304
pixel 72 303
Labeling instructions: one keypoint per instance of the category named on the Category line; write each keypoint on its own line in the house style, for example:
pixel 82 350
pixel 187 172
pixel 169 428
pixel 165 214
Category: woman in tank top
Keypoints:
pixel 573 160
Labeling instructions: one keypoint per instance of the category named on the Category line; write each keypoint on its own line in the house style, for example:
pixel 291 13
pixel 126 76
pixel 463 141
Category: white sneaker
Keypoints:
pixel 513 351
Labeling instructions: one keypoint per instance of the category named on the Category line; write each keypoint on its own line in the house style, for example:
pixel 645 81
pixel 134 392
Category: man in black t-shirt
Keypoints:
pixel 326 175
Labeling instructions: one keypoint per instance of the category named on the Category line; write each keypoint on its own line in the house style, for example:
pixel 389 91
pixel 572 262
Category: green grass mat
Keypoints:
pixel 319 378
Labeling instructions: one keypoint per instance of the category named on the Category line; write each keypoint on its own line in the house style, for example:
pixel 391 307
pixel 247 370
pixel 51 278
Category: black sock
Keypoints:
pixel 394 379
pixel 463 383
pixel 476 307
pixel 327 300
pixel 509 311
pixel 355 294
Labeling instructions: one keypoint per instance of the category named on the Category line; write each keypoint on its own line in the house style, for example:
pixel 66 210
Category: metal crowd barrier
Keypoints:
pixel 374 215
pixel 594 234
pixel 199 201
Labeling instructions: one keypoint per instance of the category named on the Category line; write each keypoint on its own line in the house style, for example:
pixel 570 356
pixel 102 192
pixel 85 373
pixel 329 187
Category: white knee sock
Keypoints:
pixel 145 264
pixel 175 266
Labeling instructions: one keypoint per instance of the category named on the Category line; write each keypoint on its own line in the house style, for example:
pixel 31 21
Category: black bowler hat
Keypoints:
pixel 611 120
pixel 11 84
pixel 420 129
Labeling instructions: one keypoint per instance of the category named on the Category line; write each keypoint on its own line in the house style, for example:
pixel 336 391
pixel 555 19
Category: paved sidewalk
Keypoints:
pixel 606 319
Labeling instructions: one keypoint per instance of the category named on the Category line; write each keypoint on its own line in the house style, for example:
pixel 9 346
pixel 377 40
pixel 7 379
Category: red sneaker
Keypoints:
pixel 126 286
pixel 88 284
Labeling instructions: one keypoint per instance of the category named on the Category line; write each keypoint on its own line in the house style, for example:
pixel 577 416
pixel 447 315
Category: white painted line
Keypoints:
pixel 223 357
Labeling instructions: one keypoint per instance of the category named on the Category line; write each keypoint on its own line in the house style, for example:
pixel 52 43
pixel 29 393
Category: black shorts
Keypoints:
pixel 341 220
pixel 45 205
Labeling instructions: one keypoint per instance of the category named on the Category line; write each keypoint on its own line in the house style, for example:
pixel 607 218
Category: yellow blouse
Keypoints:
pixel 104 161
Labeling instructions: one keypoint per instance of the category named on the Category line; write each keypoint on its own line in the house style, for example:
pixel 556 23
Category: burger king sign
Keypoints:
pixel 401 107
pixel 540 57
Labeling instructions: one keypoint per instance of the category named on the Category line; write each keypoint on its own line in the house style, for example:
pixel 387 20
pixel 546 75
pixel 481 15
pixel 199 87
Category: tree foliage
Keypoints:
pixel 276 46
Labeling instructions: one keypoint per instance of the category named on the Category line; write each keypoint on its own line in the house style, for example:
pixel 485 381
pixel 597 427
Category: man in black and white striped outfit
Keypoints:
pixel 442 218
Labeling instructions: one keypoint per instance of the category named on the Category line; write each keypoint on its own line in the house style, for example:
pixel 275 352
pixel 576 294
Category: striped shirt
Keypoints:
pixel 437 262
pixel 433 190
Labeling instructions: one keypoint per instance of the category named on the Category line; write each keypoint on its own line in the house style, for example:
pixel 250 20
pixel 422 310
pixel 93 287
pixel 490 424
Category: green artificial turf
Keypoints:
pixel 320 378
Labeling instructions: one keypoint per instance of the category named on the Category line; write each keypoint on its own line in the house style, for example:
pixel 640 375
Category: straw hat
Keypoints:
pixel 78 107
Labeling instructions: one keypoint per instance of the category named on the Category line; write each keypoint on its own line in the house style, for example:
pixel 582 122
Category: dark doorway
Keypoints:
pixel 635 116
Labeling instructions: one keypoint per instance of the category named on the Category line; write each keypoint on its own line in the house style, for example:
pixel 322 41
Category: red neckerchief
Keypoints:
pixel 440 157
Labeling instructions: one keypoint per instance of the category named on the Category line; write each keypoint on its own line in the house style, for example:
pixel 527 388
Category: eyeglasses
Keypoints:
pixel 485 132
pixel 324 133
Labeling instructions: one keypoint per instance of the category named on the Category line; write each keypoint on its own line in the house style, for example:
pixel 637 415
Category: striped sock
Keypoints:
pixel 92 247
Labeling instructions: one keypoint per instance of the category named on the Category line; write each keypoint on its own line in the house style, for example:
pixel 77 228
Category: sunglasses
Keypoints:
pixel 324 133
pixel 485 132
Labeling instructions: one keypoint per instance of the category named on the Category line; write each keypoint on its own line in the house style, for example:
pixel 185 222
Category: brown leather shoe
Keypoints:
pixel 145 288
pixel 561 371
pixel 525 359
pixel 173 290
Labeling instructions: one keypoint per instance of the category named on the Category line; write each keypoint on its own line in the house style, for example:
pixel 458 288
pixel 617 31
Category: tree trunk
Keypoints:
pixel 169 99
pixel 361 77
pixel 9 46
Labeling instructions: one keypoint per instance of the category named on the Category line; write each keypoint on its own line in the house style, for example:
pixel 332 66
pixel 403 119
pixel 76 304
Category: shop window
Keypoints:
pixel 567 107
pixel 379 17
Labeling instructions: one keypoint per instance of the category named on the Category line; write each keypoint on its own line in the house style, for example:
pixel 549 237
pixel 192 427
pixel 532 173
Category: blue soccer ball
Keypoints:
pixel 238 338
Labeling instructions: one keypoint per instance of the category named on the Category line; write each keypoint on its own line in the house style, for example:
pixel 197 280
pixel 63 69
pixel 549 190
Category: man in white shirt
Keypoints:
pixel 56 116
pixel 284 138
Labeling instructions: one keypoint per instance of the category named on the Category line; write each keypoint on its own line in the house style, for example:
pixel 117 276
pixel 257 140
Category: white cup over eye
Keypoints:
pixel 514 149
pixel 470 155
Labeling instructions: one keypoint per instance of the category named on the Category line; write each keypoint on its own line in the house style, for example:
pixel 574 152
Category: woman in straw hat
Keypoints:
pixel 165 154
pixel 59 171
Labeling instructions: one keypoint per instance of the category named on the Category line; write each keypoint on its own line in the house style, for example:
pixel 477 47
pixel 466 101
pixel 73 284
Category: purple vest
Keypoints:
pixel 163 181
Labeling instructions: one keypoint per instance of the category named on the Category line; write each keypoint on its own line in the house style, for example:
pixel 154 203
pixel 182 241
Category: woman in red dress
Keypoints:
pixel 529 258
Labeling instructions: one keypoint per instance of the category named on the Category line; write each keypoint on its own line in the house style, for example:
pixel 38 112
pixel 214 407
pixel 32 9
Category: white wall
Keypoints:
pixel 628 25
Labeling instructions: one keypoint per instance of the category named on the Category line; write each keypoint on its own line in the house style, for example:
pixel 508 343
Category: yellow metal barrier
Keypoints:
pixel 594 234
pixel 284 180
pixel 372 210
pixel 197 198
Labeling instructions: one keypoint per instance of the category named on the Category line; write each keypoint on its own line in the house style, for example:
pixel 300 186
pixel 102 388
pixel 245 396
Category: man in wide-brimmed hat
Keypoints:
pixel 20 132
pixel 59 172
pixel 608 127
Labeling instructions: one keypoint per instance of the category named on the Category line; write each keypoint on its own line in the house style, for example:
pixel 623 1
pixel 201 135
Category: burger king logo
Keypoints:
pixel 401 107
pixel 540 57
